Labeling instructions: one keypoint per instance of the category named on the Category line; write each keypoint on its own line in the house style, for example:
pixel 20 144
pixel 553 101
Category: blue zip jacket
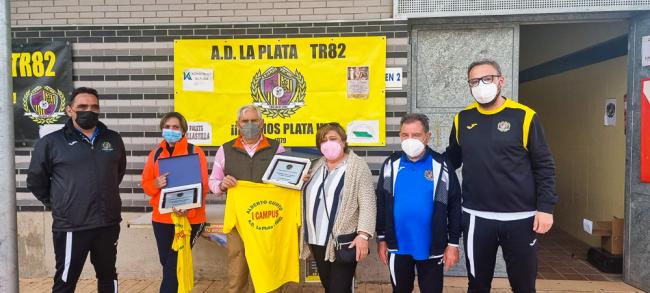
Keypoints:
pixel 446 227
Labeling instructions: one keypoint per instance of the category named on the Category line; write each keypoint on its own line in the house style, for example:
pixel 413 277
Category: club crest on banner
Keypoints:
pixel 44 104
pixel 278 91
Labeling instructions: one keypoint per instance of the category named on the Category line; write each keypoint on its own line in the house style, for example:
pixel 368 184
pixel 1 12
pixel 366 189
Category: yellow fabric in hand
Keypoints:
pixel 181 244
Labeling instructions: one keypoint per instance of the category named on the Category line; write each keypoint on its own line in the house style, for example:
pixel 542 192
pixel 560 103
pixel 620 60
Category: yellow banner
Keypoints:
pixel 298 83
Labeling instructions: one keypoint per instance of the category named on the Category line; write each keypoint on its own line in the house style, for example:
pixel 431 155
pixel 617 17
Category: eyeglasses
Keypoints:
pixel 485 79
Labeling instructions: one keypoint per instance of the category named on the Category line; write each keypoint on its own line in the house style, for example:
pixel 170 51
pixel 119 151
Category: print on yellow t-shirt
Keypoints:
pixel 267 217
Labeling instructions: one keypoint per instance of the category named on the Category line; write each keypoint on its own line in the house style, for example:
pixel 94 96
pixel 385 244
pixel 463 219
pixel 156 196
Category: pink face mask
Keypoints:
pixel 331 149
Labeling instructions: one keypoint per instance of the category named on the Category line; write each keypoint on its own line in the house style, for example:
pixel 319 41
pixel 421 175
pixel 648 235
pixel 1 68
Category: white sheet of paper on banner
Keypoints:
pixel 199 133
pixel 46 129
pixel 198 80
pixel 363 131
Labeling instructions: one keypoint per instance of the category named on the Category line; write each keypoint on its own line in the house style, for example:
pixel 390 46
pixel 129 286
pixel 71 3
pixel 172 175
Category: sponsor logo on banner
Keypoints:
pixel 199 133
pixel 264 215
pixel 363 131
pixel 278 91
pixel 198 80
pixel 43 104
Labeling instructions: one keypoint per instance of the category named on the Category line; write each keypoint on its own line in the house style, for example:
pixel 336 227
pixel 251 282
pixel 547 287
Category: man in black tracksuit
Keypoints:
pixel 418 211
pixel 76 171
pixel 508 181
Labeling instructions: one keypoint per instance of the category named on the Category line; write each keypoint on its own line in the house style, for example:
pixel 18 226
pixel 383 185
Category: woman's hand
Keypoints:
pixel 161 181
pixel 362 247
pixel 180 213
pixel 306 177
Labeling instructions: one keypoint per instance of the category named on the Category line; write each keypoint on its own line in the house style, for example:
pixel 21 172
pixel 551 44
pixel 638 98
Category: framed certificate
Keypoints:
pixel 180 197
pixel 286 171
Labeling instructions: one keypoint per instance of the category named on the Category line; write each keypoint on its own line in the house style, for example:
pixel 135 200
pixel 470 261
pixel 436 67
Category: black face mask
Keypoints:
pixel 87 119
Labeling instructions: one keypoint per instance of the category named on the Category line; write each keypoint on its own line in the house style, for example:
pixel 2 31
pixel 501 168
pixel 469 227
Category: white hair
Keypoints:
pixel 249 107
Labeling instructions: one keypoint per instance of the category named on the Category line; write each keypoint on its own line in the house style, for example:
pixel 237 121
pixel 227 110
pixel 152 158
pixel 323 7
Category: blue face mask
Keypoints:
pixel 171 136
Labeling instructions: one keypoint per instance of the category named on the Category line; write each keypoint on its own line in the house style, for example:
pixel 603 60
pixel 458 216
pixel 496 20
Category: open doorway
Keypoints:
pixel 569 73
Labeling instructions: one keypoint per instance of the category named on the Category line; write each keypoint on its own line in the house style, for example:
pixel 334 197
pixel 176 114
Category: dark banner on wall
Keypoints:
pixel 42 84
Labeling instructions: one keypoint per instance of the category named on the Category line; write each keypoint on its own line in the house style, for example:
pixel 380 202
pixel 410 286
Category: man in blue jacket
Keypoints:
pixel 418 211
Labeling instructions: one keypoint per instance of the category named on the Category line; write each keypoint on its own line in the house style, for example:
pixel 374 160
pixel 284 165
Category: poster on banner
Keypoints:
pixel 42 84
pixel 645 130
pixel 297 83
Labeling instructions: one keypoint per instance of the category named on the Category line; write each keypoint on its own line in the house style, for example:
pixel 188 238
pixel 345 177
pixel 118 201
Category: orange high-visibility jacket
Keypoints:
pixel 151 172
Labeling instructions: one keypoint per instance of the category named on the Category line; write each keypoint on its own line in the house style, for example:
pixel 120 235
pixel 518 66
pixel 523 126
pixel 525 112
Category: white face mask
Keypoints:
pixel 485 93
pixel 412 147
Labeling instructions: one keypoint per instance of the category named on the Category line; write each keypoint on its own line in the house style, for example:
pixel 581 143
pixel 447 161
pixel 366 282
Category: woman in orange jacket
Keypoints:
pixel 174 143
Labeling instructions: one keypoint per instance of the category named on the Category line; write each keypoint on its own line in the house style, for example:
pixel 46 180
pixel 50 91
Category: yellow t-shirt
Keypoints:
pixel 267 217
pixel 181 244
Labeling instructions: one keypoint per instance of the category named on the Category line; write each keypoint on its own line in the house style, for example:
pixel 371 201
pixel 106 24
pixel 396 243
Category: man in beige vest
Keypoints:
pixel 243 158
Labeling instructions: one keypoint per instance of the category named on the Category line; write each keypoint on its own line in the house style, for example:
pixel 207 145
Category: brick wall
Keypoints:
pixel 101 12
pixel 132 68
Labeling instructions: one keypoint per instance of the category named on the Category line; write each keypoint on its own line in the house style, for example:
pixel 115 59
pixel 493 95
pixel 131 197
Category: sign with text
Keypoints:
pixel 42 85
pixel 394 78
pixel 297 83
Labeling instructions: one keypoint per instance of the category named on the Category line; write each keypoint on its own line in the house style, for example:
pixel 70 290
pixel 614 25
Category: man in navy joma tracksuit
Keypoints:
pixel 418 211
pixel 508 181
pixel 76 171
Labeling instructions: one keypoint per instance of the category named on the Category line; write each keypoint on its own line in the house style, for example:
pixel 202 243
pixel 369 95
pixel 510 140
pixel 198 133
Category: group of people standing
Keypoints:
pixel 417 212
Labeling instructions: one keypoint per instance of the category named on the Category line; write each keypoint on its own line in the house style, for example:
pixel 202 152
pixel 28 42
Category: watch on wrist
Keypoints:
pixel 364 236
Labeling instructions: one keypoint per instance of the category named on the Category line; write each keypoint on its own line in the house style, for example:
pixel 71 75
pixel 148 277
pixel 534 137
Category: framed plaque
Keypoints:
pixel 286 171
pixel 180 197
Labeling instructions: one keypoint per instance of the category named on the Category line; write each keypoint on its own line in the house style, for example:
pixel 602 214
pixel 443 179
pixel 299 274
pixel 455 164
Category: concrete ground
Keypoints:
pixel 452 284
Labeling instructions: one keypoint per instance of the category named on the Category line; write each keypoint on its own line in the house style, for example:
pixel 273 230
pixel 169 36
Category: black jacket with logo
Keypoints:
pixel 507 164
pixel 78 180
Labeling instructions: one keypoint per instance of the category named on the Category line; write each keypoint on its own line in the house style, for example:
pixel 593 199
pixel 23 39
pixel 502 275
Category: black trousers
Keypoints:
pixel 164 234
pixel 336 277
pixel 71 250
pixel 403 269
pixel 518 241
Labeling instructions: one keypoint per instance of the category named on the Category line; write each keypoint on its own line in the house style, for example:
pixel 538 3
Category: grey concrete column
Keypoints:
pixel 636 252
pixel 8 252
